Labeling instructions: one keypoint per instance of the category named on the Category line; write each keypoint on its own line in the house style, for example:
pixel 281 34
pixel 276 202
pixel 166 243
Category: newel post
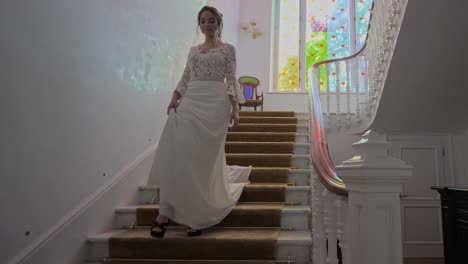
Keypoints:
pixel 374 181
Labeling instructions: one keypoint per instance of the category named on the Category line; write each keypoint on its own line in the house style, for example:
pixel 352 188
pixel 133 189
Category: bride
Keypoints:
pixel 197 188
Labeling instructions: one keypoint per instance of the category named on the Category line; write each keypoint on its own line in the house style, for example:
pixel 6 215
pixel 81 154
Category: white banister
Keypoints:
pixel 367 224
pixel 356 206
pixel 374 181
pixel 385 23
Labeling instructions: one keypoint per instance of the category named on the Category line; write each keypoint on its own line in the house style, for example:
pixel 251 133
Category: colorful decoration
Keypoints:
pixel 289 77
pixel 288 46
pixel 327 34
pixel 252 29
pixel 363 13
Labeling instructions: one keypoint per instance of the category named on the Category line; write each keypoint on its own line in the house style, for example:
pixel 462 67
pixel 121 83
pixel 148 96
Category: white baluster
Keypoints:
pixel 355 78
pixel 330 226
pixel 367 83
pixel 318 229
pixel 327 67
pixel 342 227
pixel 348 94
pixel 338 92
pixel 314 181
pixel 319 251
pixel 318 76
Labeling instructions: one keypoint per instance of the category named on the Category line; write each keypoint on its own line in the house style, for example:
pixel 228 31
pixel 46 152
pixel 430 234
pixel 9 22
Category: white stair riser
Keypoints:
pixel 148 196
pixel 299 178
pixel 303 121
pixel 301 149
pixel 97 251
pixel 300 197
pixel 304 115
pixel 302 129
pixel 300 162
pixel 299 253
pixel 302 138
pixel 124 220
pixel 298 221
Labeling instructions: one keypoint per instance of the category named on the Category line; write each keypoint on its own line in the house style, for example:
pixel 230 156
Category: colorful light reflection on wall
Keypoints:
pixel 158 62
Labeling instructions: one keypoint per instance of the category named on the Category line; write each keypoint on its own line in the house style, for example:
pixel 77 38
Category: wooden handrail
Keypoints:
pixel 316 65
pixel 355 54
pixel 321 160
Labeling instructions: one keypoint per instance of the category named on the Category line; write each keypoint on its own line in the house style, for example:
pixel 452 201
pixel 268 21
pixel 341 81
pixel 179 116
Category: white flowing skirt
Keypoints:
pixel 197 188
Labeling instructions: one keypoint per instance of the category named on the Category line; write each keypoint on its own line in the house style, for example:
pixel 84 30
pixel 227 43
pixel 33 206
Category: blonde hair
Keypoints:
pixel 219 18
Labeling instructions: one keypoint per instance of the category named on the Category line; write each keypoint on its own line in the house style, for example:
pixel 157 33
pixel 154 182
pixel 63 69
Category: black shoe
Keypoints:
pixel 161 232
pixel 193 232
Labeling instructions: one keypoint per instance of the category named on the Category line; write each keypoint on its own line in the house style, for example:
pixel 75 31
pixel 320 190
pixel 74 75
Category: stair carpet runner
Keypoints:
pixel 249 234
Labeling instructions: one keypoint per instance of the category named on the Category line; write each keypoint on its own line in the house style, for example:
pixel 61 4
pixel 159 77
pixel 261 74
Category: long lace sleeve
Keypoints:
pixel 231 79
pixel 182 85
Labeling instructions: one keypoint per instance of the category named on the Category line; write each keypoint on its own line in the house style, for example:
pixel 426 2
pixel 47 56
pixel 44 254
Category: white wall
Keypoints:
pixel 297 102
pixel 230 10
pixel 427 75
pixel 84 89
pixel 254 54
pixel 340 146
pixel 460 160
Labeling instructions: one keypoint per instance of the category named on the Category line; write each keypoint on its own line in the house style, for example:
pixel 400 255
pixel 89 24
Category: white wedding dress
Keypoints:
pixel 197 188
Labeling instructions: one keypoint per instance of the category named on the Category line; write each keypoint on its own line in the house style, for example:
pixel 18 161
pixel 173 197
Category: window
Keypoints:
pixel 310 31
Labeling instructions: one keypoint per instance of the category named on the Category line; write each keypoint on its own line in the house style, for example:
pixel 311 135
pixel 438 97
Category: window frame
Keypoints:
pixel 274 75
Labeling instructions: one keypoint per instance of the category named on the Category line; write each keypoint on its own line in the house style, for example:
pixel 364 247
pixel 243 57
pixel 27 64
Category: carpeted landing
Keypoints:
pixel 250 232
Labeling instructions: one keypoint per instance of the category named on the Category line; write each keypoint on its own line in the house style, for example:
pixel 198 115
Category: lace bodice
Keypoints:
pixel 217 64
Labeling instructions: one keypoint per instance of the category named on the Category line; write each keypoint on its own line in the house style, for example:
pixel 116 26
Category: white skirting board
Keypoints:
pixel 65 242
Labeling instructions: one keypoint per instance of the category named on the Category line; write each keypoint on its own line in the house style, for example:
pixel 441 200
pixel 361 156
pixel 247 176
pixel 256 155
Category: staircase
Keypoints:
pixel 276 202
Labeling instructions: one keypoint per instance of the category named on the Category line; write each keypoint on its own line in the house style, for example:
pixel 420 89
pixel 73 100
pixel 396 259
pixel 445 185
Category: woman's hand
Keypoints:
pixel 234 119
pixel 174 103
